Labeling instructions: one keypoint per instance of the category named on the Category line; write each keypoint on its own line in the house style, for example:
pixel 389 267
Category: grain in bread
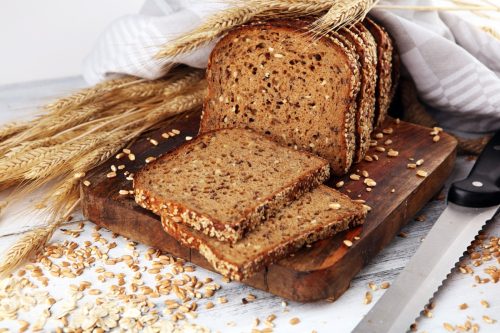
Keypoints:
pixel 228 181
pixel 316 215
pixel 287 84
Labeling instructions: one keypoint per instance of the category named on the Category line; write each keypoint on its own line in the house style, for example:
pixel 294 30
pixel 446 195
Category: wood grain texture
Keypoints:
pixel 323 270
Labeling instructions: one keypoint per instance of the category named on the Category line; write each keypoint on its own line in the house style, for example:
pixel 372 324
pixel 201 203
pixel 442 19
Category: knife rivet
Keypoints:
pixel 477 183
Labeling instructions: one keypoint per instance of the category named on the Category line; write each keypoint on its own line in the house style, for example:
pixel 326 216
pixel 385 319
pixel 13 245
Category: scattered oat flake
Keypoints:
pixel 385 285
pixel 448 327
pixel 368 298
pixel 422 173
pixel 485 303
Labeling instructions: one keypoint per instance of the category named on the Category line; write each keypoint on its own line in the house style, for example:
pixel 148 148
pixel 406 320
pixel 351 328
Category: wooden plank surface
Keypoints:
pixel 323 270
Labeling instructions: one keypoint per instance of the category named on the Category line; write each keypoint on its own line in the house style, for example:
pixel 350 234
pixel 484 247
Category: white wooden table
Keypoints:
pixel 21 101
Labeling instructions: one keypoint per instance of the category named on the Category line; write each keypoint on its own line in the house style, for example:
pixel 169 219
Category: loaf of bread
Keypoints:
pixel 316 215
pixel 226 182
pixel 295 88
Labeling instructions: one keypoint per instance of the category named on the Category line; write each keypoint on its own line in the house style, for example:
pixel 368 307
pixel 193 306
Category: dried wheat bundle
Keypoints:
pixel 336 13
pixel 331 15
pixel 80 132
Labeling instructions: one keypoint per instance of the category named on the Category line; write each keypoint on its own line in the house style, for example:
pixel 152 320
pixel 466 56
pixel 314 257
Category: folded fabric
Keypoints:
pixel 455 64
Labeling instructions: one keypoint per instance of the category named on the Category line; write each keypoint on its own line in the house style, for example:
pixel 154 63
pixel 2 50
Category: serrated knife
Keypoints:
pixel 471 203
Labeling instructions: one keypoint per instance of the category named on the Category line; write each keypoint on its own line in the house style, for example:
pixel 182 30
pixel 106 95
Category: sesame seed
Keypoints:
pixel 334 205
pixel 372 286
pixel 131 157
pixel 388 142
pixel 365 174
pixel 188 138
pixel 347 243
pixel 419 162
pixel 150 159
pixel 354 176
pixel 113 168
pixel 385 285
pixel 126 151
pixel 79 175
pixel 392 153
pixel 411 166
pixel 86 183
pixel 368 158
pixel 278 55
pixel 119 155
pixel 381 149
pixel 379 135
pixel 339 184
pixel 176 131
pixel 111 174
pixel 294 321
pixel 121 167
pixel 165 135
pixel 153 142
pixel 463 306
pixel 123 192
pixel 388 130
pixel 436 138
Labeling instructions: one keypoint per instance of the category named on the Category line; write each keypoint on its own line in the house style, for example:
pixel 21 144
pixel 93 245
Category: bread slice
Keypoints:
pixel 226 182
pixel 296 88
pixel 316 215
pixel 385 87
pixel 366 49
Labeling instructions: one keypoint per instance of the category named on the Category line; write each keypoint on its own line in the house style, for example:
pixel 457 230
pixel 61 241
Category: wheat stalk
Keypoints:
pixel 338 13
pixel 31 242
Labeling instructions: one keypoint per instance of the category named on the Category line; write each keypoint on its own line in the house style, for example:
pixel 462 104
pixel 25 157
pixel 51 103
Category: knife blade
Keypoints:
pixel 471 203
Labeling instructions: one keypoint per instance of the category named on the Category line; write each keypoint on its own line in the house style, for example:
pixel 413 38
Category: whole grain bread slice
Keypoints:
pixel 366 49
pixel 385 87
pixel 278 79
pixel 226 182
pixel 316 215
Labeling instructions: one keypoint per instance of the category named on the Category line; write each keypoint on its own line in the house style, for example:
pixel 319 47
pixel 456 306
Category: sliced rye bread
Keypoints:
pixel 281 81
pixel 228 181
pixel 316 215
pixel 385 85
pixel 366 48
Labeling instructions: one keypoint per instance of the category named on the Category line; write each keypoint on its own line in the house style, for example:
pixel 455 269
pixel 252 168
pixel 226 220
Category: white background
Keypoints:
pixel 50 38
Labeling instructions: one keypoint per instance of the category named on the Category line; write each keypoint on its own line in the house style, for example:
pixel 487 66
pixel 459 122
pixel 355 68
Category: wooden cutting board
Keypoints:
pixel 323 270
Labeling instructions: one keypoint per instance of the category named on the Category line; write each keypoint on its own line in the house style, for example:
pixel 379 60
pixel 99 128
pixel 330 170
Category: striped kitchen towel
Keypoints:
pixel 453 57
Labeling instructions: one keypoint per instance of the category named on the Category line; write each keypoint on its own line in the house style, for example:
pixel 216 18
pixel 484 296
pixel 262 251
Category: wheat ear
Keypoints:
pixel 31 242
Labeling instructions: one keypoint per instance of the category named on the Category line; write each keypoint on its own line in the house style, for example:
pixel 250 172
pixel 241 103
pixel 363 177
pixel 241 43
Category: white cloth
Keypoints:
pixel 454 63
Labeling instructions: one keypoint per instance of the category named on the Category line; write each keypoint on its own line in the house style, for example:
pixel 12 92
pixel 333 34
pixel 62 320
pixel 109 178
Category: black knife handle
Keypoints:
pixel 481 188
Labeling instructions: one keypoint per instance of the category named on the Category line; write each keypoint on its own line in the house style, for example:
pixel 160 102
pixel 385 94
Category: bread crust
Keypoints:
pixel 230 231
pixel 339 167
pixel 240 271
